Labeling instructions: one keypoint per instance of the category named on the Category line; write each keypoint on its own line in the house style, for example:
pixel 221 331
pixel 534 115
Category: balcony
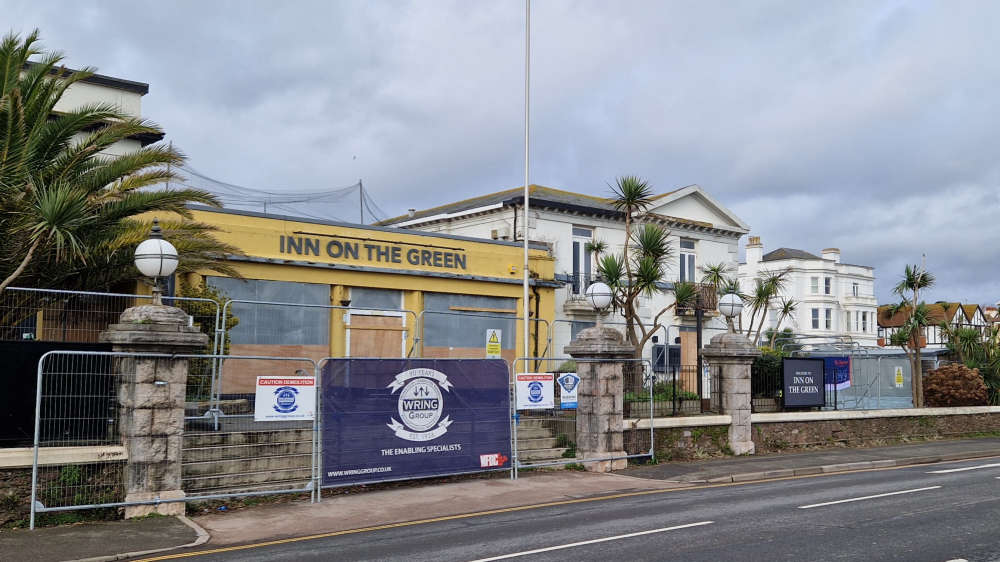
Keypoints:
pixel 706 301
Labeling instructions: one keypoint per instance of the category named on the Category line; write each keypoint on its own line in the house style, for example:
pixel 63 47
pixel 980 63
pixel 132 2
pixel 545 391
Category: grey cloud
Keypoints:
pixel 866 125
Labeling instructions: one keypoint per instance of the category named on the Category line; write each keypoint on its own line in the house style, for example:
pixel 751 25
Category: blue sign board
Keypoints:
pixel 388 419
pixel 838 372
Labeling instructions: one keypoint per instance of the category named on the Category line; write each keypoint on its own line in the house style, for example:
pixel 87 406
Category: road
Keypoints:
pixel 936 512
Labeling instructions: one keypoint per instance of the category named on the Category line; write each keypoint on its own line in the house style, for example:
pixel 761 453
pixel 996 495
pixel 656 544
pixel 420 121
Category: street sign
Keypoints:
pixel 899 377
pixel 494 338
pixel 804 382
pixel 285 398
pixel 390 419
pixel 568 384
pixel 535 391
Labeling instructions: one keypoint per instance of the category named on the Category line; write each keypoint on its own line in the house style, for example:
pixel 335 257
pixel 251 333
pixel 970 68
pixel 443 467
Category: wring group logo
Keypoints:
pixel 420 404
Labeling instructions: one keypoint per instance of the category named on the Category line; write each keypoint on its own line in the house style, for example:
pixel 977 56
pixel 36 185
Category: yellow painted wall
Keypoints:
pixel 260 237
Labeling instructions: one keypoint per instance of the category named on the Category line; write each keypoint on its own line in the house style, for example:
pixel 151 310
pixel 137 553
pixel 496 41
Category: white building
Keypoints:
pixel 125 95
pixel 834 298
pixel 702 231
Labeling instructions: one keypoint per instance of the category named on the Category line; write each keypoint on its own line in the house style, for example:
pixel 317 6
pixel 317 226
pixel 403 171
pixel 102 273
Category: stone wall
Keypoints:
pixel 681 441
pixel 869 432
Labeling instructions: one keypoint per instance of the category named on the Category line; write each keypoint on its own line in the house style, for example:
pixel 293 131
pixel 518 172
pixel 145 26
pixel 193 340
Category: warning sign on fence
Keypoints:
pixel 285 398
pixel 493 341
pixel 535 391
pixel 899 377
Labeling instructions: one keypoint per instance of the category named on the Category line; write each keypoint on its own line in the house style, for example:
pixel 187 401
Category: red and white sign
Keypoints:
pixel 285 398
pixel 492 460
pixel 535 391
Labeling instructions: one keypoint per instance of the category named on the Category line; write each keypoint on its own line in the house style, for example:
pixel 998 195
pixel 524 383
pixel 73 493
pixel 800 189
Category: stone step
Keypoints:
pixel 295 484
pixel 539 455
pixel 533 433
pixel 246 451
pixel 237 467
pixel 210 439
pixel 531 422
pixel 287 479
pixel 539 443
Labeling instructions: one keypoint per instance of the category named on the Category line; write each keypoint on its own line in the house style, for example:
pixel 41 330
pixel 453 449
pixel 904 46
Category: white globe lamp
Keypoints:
pixel 730 305
pixel 599 296
pixel 155 257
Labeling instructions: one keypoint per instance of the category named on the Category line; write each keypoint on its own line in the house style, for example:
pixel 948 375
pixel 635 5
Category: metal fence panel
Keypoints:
pixel 80 450
pixel 530 424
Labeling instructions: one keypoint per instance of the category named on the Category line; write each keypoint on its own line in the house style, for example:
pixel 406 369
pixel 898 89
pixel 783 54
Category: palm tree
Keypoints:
pixel 788 307
pixel 908 336
pixel 767 286
pixel 632 196
pixel 641 267
pixel 68 209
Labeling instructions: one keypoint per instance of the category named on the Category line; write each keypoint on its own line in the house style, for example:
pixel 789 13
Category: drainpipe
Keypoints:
pixel 538 299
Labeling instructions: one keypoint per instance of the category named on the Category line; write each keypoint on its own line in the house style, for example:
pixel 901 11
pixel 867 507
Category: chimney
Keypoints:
pixel 832 254
pixel 755 250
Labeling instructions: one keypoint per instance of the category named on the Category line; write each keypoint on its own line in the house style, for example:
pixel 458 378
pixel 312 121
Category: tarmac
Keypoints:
pixel 398 505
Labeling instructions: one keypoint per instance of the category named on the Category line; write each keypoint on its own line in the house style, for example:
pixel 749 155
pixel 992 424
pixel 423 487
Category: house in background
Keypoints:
pixel 834 299
pixel 956 315
pixel 702 231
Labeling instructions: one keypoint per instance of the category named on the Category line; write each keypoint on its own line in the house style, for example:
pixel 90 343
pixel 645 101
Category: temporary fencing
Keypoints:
pixel 80 453
pixel 538 405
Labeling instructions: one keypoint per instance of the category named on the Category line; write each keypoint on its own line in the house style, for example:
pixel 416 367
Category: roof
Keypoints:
pixel 539 195
pixel 936 313
pixel 558 199
pixel 140 88
pixel 970 311
pixel 789 254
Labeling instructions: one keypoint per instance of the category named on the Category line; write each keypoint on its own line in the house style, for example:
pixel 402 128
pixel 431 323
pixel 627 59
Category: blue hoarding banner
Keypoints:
pixel 387 419
pixel 838 372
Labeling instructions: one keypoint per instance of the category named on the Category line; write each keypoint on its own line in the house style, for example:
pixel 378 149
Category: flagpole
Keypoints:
pixel 525 309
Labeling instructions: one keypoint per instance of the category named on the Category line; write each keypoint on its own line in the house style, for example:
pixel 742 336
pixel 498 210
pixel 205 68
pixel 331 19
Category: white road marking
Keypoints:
pixel 594 541
pixel 869 497
pixel 964 468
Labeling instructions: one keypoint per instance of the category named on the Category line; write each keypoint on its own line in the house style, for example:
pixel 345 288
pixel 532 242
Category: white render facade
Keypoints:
pixel 702 232
pixel 834 299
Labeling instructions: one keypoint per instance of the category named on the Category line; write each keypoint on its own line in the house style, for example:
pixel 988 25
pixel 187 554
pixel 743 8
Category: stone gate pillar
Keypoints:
pixel 733 355
pixel 599 352
pixel 151 400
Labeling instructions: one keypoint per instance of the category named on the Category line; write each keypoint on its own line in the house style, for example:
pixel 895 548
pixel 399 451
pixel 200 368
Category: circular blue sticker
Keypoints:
pixel 535 391
pixel 284 399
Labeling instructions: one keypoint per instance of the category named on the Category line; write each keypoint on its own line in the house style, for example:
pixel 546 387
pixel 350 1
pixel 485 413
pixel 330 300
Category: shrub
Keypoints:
pixel 954 385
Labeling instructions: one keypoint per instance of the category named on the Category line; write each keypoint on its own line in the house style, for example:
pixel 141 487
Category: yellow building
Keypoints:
pixel 364 291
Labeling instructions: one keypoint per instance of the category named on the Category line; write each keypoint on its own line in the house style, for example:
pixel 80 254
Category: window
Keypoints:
pixel 857 322
pixel 686 261
pixel 826 286
pixel 581 259
pixel 864 321
pixel 446 328
pixel 847 320
pixel 815 317
pixel 815 285
pixel 829 319
pixel 277 324
pixel 854 289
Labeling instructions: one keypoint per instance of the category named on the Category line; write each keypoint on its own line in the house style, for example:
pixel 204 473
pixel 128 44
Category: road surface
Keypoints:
pixel 939 512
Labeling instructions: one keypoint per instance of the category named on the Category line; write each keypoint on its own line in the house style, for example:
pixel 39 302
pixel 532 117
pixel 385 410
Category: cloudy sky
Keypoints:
pixel 870 126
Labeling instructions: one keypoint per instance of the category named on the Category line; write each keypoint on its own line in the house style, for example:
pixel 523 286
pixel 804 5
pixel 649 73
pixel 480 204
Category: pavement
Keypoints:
pixel 390 507
pixel 102 541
